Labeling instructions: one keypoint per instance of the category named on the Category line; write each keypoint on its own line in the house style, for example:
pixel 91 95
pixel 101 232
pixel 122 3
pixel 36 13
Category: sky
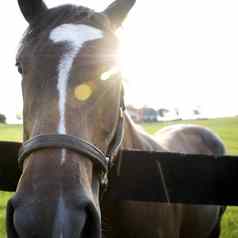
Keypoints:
pixel 176 54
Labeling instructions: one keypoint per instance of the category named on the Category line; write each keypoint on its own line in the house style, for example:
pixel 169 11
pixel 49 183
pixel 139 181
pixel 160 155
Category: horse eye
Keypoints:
pixel 19 67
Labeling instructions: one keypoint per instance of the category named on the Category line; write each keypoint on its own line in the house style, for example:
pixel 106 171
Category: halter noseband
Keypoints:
pixel 63 141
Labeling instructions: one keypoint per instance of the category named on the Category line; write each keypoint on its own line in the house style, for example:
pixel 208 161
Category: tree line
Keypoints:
pixel 2 118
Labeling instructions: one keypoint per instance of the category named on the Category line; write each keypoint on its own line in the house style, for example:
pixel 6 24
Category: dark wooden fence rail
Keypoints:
pixel 153 177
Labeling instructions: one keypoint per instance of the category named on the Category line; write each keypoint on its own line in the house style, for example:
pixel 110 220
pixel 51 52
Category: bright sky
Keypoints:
pixel 174 53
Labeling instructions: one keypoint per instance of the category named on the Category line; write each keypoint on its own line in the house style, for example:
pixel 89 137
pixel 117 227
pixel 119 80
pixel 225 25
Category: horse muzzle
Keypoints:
pixel 47 219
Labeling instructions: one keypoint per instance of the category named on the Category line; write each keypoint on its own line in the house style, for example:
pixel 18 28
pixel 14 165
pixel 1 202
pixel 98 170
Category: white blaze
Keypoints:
pixel 74 36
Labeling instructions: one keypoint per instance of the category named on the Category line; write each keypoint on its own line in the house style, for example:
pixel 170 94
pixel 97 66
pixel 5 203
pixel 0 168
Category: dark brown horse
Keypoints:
pixel 70 116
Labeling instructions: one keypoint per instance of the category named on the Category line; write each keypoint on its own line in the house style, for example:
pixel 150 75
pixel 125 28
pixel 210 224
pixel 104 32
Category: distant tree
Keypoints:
pixel 3 118
pixel 196 112
pixel 176 111
pixel 162 112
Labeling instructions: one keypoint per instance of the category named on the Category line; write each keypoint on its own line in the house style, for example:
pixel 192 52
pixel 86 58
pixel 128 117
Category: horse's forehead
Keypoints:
pixel 75 34
pixel 64 20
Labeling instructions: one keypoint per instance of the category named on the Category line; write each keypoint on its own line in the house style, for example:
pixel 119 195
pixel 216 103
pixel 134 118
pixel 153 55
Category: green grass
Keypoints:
pixel 3 201
pixel 10 132
pixel 226 128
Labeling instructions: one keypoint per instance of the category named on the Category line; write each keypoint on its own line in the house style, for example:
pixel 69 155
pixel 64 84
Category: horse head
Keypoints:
pixel 71 116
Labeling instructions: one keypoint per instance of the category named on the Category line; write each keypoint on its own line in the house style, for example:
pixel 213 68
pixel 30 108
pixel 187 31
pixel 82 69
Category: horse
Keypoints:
pixel 75 125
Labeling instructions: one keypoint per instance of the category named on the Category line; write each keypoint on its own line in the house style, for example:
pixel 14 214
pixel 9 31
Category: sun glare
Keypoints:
pixel 175 58
pixel 134 69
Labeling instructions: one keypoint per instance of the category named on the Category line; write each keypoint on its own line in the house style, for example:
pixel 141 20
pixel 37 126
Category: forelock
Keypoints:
pixel 54 17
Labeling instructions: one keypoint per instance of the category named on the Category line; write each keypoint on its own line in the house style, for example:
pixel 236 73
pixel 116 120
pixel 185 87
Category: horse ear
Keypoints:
pixel 31 8
pixel 118 11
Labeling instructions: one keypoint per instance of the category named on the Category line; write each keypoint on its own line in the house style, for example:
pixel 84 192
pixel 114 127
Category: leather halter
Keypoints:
pixel 99 158
pixel 63 141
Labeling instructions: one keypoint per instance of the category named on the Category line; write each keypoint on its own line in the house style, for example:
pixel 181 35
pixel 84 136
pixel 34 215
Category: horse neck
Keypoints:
pixel 135 138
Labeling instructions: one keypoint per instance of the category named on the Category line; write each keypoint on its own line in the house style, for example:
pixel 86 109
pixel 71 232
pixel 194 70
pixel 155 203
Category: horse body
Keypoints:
pixel 127 219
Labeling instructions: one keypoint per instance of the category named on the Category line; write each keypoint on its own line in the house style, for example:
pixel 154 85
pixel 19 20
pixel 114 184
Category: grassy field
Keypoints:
pixel 10 132
pixel 227 129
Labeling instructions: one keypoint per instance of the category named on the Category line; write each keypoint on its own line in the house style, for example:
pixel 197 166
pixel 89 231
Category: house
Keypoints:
pixel 135 113
pixel 149 114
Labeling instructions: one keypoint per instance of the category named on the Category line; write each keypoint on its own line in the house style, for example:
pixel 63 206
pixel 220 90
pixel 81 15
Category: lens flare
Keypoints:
pixel 106 75
pixel 83 92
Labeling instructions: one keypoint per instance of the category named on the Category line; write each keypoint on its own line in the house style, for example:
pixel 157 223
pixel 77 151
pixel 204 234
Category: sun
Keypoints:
pixel 137 64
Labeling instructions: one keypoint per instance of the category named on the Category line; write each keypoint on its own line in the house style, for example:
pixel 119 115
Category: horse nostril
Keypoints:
pixel 92 227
